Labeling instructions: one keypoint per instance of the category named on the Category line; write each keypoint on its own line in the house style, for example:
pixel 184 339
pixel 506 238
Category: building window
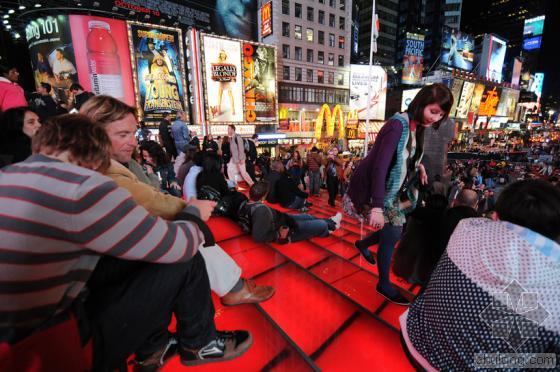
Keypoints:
pixel 331 78
pixel 341 42
pixel 285 29
pixel 297 32
pixel 340 79
pixel 298 55
pixel 340 61
pixel 285 51
pixel 298 74
pixel 321 57
pixel 310 13
pixel 286 7
pixel 309 76
pixel 321 37
pixel 332 20
pixel 320 76
pixel 331 40
pixel 286 73
pixel 331 59
pixel 321 1
pixel 309 34
pixel 321 17
pixel 310 55
pixel 341 23
pixel 332 3
pixel 342 4
pixel 297 11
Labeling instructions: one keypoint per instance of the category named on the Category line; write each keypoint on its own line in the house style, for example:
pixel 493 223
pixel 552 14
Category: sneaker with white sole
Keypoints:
pixel 337 218
pixel 227 345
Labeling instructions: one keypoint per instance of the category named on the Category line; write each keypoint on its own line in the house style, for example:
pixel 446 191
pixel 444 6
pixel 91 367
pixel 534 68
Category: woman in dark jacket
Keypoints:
pixel 225 152
pixel 18 125
pixel 156 161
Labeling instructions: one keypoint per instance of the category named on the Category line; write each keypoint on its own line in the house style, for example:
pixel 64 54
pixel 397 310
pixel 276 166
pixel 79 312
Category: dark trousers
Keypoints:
pixel 332 186
pixel 131 303
pixel 250 166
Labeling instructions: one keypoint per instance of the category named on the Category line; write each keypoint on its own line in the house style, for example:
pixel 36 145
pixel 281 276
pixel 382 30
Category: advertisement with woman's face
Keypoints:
pixel 223 80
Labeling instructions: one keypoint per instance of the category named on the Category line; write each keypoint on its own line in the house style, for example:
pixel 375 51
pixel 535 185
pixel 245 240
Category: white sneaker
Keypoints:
pixel 336 219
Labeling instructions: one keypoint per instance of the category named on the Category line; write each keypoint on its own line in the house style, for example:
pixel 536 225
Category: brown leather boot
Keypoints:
pixel 250 294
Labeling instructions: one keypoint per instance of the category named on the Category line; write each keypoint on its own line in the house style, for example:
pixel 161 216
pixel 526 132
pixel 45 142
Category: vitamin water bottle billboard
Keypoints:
pixel 102 56
pixel 52 53
pixel 158 70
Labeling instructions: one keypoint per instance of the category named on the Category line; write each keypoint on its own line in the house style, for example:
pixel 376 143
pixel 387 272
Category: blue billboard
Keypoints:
pixel 532 43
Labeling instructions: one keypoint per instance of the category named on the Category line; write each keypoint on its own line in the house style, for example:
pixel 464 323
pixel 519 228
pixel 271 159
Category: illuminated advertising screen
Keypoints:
pixel 157 55
pixel 477 97
pixel 259 83
pixel 489 102
pixel 456 88
pixel 413 60
pixel 407 97
pixel 359 91
pixel 52 53
pixel 492 58
pixel 465 100
pixel 508 101
pixel 103 61
pixel 516 74
pixel 223 78
pixel 266 19
pixel 536 83
pixel 533 27
pixel 457 49
pixel 532 43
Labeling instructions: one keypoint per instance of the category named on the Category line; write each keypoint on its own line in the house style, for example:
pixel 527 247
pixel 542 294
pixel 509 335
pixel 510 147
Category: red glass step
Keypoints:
pixel 365 345
pixel 333 269
pixel 224 228
pixel 304 308
pixel 303 253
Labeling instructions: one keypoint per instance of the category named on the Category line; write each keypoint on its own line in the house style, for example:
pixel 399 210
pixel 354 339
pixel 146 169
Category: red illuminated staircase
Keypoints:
pixel 325 314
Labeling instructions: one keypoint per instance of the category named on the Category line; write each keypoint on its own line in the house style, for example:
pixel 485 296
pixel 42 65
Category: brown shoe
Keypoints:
pixel 158 359
pixel 250 294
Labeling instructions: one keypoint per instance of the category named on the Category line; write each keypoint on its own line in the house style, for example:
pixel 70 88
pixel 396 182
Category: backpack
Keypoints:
pixel 246 146
pixel 244 215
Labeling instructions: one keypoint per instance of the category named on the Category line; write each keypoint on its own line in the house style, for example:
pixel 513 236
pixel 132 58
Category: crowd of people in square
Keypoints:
pixel 117 219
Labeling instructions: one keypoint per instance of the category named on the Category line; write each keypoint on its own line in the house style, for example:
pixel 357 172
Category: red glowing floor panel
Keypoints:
pixel 391 314
pixel 333 269
pixel 239 244
pixel 223 228
pixel 360 287
pixel 343 249
pixel 303 253
pixel 257 260
pixel 307 310
pixel 365 345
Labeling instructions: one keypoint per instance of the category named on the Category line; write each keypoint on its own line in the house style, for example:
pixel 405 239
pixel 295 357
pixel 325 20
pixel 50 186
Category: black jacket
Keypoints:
pixel 272 178
pixel 287 190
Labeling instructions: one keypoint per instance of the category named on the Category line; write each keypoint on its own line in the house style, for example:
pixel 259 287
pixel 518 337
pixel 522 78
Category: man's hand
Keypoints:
pixel 205 207
pixel 422 174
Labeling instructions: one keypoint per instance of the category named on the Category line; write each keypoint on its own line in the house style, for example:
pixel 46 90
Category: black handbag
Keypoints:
pixel 223 205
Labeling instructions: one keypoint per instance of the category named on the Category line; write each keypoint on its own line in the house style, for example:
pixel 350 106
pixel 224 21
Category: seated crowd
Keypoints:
pixel 120 233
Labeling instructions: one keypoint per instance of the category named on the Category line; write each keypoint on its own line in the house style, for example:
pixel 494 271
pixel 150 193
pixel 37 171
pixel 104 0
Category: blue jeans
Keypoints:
pixel 307 227
pixel 314 182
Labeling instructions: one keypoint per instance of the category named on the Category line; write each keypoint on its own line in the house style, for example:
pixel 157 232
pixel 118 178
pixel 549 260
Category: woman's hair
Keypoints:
pixel 105 109
pixel 225 139
pixel 211 163
pixel 156 152
pixel 87 144
pixel 298 154
pixel 435 93
pixel 534 204
pixel 12 120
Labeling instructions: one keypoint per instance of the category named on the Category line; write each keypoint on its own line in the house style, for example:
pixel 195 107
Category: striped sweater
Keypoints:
pixel 56 219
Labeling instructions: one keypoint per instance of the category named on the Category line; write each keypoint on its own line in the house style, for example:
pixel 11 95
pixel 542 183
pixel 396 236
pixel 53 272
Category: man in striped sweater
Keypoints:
pixel 58 216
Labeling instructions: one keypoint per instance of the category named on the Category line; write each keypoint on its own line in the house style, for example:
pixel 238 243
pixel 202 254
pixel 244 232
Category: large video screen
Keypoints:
pixel 490 100
pixel 413 60
pixel 223 79
pixel 533 27
pixel 457 49
pixel 103 61
pixel 157 55
pixel 359 91
pixel 492 58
